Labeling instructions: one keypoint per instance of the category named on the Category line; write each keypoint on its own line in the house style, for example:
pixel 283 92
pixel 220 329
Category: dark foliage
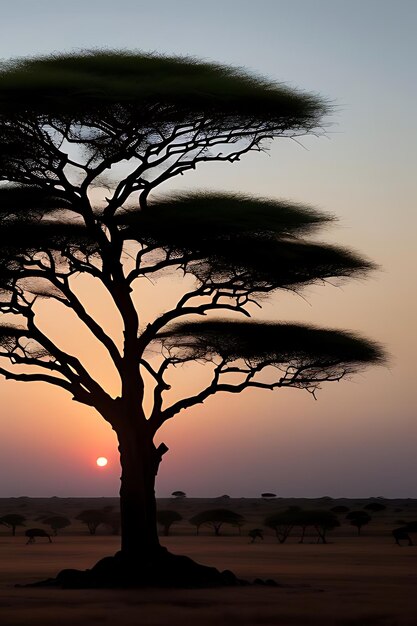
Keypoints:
pixel 283 522
pixel 29 202
pixel 375 507
pixel 13 520
pixel 179 495
pixel 307 356
pixel 92 518
pixel 57 522
pixel 148 90
pixel 276 343
pixel 215 518
pixel 340 508
pixel 182 221
pixel 166 517
pixel 67 122
pixel 358 519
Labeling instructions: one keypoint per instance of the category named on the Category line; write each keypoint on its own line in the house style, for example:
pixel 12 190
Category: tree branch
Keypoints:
pixel 95 328
pixel 308 377
pixel 53 380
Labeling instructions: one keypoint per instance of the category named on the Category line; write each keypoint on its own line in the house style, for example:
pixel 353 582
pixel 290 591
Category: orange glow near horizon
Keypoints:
pixel 359 439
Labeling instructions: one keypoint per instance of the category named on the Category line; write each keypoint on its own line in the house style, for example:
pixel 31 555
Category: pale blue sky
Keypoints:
pixel 360 438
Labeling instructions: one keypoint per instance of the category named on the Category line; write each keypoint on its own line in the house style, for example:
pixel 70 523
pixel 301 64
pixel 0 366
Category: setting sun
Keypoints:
pixel 101 461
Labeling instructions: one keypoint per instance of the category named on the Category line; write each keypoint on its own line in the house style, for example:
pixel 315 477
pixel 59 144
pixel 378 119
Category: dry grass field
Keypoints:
pixel 365 580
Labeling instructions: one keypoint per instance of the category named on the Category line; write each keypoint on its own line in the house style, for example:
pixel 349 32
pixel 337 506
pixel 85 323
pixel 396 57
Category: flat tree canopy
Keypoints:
pixel 215 518
pixel 86 142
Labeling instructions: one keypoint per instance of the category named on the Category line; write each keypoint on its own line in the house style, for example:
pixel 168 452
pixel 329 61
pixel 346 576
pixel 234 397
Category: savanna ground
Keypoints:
pixel 365 580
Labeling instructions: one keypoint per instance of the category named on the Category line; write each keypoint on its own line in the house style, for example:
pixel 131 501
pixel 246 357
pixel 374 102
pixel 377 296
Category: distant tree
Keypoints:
pixel 56 522
pixel 358 519
pixel 166 518
pixel 322 521
pixel 282 522
pixel 179 495
pixel 375 507
pixel 12 520
pixel 86 142
pixel 268 496
pixel 92 518
pixel 215 518
pixel 340 508
pixel 223 497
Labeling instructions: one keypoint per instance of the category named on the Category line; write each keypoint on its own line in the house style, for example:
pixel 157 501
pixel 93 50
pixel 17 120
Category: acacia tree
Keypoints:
pixel 12 520
pixel 56 522
pixel 70 125
pixel 215 518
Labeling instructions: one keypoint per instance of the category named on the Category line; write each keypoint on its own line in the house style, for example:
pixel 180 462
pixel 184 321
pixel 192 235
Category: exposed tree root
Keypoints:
pixel 166 570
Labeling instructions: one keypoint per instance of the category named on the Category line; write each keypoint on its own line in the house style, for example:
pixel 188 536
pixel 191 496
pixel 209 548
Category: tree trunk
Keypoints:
pixel 139 460
pixel 142 561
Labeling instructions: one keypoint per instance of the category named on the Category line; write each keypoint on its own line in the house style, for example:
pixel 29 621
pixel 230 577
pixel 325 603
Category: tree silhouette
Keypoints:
pixel 179 495
pixel 13 520
pixel 340 508
pixel 322 521
pixel 215 518
pixel 166 517
pixel 282 522
pixel 358 519
pixel 56 522
pixel 84 142
pixel 92 518
pixel 375 507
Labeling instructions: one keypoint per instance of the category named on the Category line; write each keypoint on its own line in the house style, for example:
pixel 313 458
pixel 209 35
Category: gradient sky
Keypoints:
pixel 360 438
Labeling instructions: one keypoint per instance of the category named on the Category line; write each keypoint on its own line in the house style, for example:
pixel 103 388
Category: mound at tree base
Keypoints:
pixel 164 571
